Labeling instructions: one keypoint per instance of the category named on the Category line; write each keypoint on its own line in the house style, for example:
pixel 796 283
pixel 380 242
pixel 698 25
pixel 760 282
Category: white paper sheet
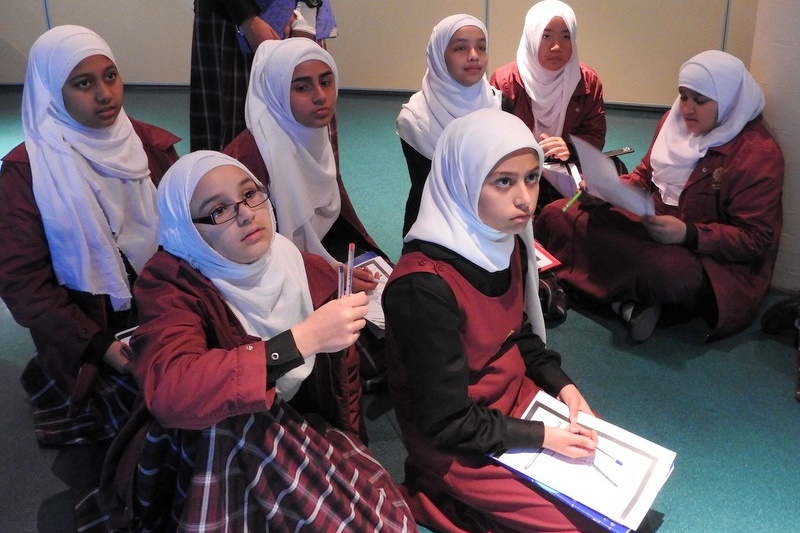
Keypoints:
pixel 602 181
pixel 620 481
pixel 377 264
pixel 563 176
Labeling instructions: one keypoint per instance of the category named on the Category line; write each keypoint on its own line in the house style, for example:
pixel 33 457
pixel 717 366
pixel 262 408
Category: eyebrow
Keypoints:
pixel 220 197
pixel 311 78
pixel 465 39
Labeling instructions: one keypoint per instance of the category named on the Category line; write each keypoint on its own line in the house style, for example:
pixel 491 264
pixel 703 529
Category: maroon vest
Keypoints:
pixel 497 370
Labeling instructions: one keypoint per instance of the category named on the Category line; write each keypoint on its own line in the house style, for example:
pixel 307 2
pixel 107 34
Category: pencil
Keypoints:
pixel 571 201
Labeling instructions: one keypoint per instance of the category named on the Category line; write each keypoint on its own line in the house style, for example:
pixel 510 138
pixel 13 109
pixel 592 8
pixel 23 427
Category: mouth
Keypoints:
pixel 106 112
pixel 322 112
pixel 255 234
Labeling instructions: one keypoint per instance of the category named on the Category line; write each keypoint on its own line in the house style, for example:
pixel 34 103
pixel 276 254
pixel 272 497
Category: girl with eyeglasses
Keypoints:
pixel 78 224
pixel 251 417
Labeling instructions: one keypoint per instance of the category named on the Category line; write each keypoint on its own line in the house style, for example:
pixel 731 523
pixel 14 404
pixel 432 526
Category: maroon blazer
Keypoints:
pixel 733 197
pixel 586 113
pixel 183 318
pixel 61 321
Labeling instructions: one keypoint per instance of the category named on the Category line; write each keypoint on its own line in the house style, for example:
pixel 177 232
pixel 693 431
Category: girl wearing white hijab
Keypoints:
pixel 715 174
pixel 454 84
pixel 554 93
pixel 232 315
pixel 293 156
pixel 466 336
pixel 81 222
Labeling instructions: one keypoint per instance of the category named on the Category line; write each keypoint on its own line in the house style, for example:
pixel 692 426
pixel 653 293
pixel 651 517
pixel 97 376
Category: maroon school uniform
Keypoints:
pixel 451 491
pixel 732 197
pixel 586 112
pixel 63 322
pixel 243 459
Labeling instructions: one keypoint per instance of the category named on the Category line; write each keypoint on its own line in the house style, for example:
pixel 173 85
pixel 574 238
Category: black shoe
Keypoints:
pixel 643 321
pixel 781 317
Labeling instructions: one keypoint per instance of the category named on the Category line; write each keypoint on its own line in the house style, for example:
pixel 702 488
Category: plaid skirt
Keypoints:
pixel 220 72
pixel 266 471
pixel 99 418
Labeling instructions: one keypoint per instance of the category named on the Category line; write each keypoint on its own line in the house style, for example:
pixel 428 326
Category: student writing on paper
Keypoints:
pixel 454 85
pixel 715 175
pixel 554 93
pixel 251 412
pixel 466 337
pixel 78 224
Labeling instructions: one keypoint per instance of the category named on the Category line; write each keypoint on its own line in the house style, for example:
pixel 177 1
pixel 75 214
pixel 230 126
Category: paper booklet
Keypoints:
pixel 615 488
pixel 602 181
pixel 375 263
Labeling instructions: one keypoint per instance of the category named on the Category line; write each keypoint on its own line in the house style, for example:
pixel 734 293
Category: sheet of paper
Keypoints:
pixel 602 181
pixel 379 265
pixel 621 480
pixel 563 176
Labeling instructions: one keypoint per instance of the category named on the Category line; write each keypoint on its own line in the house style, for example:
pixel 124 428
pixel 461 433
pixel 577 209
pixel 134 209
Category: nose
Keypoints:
pixel 245 217
pixel 473 54
pixel 523 197
pixel 319 94
pixel 102 93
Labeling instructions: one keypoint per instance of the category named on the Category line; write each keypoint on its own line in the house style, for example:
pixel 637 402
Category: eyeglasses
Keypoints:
pixel 225 213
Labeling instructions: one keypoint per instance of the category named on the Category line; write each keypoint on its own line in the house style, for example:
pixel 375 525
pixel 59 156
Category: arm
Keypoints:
pixel 196 365
pixel 28 284
pixel 186 381
pixel 590 123
pixel 425 321
pixel 750 199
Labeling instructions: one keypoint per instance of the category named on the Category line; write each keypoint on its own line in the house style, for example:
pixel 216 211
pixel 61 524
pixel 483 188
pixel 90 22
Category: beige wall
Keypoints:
pixel 151 39
pixel 635 45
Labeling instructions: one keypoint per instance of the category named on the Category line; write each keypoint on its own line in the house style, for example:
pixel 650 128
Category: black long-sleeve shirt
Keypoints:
pixel 425 319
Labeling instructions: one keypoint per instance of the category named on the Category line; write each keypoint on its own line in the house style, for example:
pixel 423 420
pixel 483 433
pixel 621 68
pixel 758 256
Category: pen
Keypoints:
pixel 342 274
pixel 599 449
pixel 348 284
pixel 571 201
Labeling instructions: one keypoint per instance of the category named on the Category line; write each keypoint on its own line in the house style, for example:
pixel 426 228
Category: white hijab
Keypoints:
pixel 467 151
pixel 442 98
pixel 723 78
pixel 549 91
pixel 300 161
pixel 268 296
pixel 91 186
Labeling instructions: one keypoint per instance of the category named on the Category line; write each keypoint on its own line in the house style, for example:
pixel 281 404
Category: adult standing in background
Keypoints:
pixel 225 34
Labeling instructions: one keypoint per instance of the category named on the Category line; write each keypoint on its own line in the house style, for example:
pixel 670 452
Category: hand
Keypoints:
pixel 571 396
pixel 364 280
pixel 256 31
pixel 119 356
pixel 577 442
pixel 332 327
pixel 665 229
pixel 554 147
